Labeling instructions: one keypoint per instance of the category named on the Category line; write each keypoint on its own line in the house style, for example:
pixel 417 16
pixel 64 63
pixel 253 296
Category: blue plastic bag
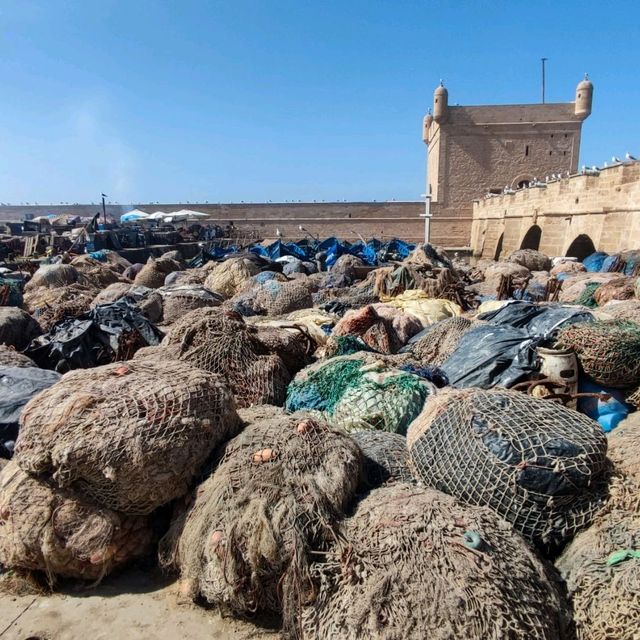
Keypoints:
pixel 608 414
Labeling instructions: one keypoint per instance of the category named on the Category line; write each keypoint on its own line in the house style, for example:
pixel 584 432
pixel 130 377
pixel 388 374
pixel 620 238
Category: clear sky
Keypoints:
pixel 258 100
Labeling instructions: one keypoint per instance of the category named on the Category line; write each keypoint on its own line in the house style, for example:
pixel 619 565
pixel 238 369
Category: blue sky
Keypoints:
pixel 280 100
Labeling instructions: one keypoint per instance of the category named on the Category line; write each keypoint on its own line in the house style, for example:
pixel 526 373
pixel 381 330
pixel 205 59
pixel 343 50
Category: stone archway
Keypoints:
pixel 581 247
pixel 522 181
pixel 531 239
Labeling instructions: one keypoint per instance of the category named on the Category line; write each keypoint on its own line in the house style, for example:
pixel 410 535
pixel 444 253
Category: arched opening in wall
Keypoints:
pixel 531 239
pixel 496 255
pixel 522 181
pixel 581 247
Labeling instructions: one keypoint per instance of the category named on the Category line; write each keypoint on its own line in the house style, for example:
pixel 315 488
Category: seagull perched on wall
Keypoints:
pixel 278 232
pixel 629 157
pixel 615 160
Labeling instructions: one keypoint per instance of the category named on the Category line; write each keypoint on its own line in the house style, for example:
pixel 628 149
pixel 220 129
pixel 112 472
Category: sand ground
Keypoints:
pixel 135 605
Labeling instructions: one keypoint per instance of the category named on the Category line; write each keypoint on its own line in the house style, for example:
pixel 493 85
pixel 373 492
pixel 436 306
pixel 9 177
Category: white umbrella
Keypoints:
pixel 132 216
pixel 188 213
pixel 157 215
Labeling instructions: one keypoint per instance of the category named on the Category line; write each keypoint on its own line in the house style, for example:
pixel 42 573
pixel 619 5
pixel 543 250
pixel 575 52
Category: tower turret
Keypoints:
pixel 584 98
pixel 426 125
pixel 440 103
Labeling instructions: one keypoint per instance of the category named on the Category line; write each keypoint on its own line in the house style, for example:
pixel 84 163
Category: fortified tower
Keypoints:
pixel 477 150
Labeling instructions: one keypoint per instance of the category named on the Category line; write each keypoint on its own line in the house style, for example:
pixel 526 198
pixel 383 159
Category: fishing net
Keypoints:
pixel 257 522
pixel 10 292
pixel 347 265
pixel 359 392
pixel 497 270
pixel 382 327
pixel 568 267
pixel 50 306
pixel 619 289
pixel 531 259
pixel 587 297
pixel 277 298
pixel 111 293
pixel 9 357
pixel 130 436
pixel 385 458
pixel 228 277
pixel 538 464
pixel 148 301
pixel 623 310
pixel 291 341
pixel 52 530
pixel 94 273
pixel 608 350
pixel 17 327
pixel 438 341
pixel 153 273
pixel 413 563
pixel 345 346
pixel 182 298
pixel 53 275
pixel 221 343
pixel 339 301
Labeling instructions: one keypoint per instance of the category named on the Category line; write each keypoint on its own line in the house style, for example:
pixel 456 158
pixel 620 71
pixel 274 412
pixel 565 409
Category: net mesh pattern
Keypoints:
pixel 359 392
pixel 9 357
pixel 180 299
pixel 385 456
pixel 273 501
pixel 414 563
pixel 54 531
pixel 221 343
pixel 153 273
pixel 17 327
pixel 111 293
pixel 49 306
pixel 624 310
pixel 440 340
pixel 608 350
pixel 130 436
pixel 277 298
pixel 538 464
pixel 53 275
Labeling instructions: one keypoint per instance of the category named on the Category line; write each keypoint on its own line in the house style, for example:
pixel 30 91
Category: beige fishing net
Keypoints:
pixel 49 306
pixel 9 357
pixel 52 530
pixel 229 277
pixel 414 564
pixel 17 327
pixel 538 464
pixel 130 436
pixel 177 300
pixel 154 272
pixel 440 340
pixel 220 342
pixel 385 457
pixel 259 520
pixel 53 275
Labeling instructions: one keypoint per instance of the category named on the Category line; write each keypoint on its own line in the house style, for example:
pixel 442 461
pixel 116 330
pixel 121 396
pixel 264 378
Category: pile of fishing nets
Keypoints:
pixel 149 301
pixel 346 265
pixel 111 259
pixel 271 505
pixel 497 270
pixel 384 328
pixel 437 342
pixel 413 563
pixel 9 357
pixel 339 301
pixel 538 464
pixel 567 267
pixel 53 275
pixel 222 343
pixel 581 286
pixel 17 327
pixel 277 298
pixel 618 289
pixel 290 340
pixel 385 458
pixel 360 391
pixel 53 530
pixel 608 350
pixel 182 298
pixel 602 565
pixel 620 310
pixel 130 436
pixel 49 306
pixel 153 273
pixel 95 273
pixel 531 259
pixel 229 277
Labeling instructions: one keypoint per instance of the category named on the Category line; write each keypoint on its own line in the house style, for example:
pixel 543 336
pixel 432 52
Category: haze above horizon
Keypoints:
pixel 282 100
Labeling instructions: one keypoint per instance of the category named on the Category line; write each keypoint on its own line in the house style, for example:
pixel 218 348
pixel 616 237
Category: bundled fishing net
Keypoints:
pixel 538 464
pixel 385 457
pixel 277 298
pixel 49 306
pixel 587 296
pixel 53 275
pixel 382 327
pixel 228 277
pixel 17 327
pixel 608 350
pixel 148 301
pixel 437 342
pixel 619 289
pixel 359 392
pixel 214 341
pixel 568 267
pixel 291 341
pixel 130 436
pixel 495 271
pixel 414 563
pixel 339 301
pixel 111 293
pixel 153 273
pixel 623 310
pixel 531 259
pixel 55 531
pixel 182 298
pixel 9 357
pixel 269 507
pixel 95 273
pixel 347 265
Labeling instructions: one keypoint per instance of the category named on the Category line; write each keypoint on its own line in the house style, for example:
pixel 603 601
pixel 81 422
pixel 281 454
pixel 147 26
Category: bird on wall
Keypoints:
pixel 631 158
pixel 278 232
pixel 615 160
